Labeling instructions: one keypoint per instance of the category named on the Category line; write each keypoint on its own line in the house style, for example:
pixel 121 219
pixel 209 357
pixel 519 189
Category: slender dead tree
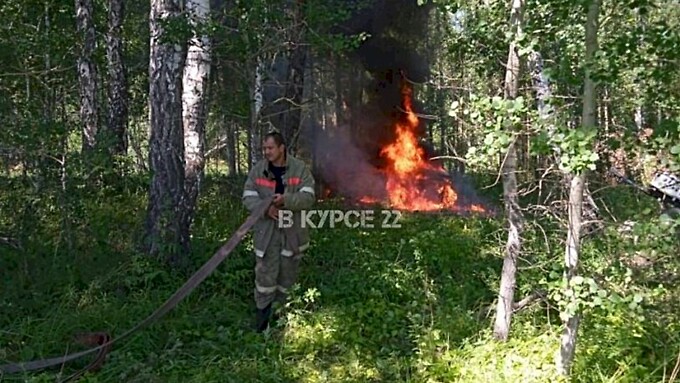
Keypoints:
pixel 166 232
pixel 571 256
pixel 515 219
pixel 87 73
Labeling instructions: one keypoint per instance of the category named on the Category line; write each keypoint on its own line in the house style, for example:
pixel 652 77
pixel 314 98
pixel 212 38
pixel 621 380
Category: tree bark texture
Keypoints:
pixel 515 219
pixel 117 89
pixel 87 73
pixel 254 133
pixel 541 86
pixel 571 257
pixel 166 233
pixel 285 83
pixel 194 101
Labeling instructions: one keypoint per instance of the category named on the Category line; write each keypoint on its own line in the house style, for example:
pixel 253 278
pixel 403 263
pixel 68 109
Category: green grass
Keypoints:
pixel 372 305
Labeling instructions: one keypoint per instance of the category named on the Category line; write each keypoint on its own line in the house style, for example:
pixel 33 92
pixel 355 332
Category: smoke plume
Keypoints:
pixel 348 155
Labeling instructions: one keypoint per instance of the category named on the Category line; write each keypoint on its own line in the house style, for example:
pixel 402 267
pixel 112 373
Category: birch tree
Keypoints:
pixel 165 230
pixel 513 245
pixel 254 133
pixel 87 73
pixel 194 101
pixel 117 89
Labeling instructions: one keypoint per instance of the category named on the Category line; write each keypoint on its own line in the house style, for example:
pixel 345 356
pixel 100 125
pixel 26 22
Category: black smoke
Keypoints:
pixel 348 156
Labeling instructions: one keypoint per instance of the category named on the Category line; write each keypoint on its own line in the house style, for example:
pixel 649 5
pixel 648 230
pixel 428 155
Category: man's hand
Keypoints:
pixel 273 212
pixel 278 200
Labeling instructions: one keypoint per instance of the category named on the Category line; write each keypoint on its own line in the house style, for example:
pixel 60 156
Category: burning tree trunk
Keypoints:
pixel 194 98
pixel 117 91
pixel 165 230
pixel 571 322
pixel 87 73
pixel 515 219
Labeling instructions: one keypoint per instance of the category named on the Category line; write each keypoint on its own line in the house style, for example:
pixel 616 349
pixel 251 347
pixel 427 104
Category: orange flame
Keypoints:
pixel 408 169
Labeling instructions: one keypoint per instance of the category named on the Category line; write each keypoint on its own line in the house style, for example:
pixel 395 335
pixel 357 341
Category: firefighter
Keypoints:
pixel 278 246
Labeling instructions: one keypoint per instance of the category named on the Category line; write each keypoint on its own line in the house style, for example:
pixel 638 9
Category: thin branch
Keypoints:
pixel 221 143
pixel 34 72
pixel 528 300
pixel 448 158
pixel 423 116
pixel 500 170
pixel 676 370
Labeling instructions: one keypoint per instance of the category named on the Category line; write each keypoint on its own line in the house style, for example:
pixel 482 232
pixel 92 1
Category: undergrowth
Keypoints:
pixel 412 304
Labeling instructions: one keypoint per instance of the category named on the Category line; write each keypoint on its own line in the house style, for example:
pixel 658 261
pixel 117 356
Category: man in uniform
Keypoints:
pixel 278 247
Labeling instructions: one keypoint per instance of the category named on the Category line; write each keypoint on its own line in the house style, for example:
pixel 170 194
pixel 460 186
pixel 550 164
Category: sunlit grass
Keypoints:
pixel 397 305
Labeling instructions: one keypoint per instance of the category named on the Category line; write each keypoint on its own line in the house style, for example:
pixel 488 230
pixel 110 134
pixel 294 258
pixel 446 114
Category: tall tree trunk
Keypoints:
pixel 194 101
pixel 117 90
pixel 571 324
pixel 254 133
pixel 285 79
pixel 49 100
pixel 340 117
pixel 250 147
pixel 546 112
pixel 294 92
pixel 166 233
pixel 541 86
pixel 515 219
pixel 87 73
pixel 232 133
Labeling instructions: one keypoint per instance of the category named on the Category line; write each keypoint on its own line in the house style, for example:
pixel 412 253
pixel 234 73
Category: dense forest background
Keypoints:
pixel 129 127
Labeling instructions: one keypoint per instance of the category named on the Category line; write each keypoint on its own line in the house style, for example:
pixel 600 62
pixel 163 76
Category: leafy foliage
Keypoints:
pixel 406 304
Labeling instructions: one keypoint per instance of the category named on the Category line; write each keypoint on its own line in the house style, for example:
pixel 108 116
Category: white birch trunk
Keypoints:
pixel 194 99
pixel 256 110
pixel 87 73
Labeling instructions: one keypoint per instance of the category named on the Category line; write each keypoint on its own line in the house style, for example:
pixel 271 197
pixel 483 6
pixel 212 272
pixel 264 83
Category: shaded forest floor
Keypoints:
pixel 405 305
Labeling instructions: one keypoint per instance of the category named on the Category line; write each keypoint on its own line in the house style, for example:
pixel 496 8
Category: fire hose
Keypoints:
pixel 105 342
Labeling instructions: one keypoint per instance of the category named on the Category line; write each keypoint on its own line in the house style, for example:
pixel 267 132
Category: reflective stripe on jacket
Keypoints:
pixel 298 195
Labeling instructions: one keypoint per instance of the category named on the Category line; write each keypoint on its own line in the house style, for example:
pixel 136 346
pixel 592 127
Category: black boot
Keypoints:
pixel 262 318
